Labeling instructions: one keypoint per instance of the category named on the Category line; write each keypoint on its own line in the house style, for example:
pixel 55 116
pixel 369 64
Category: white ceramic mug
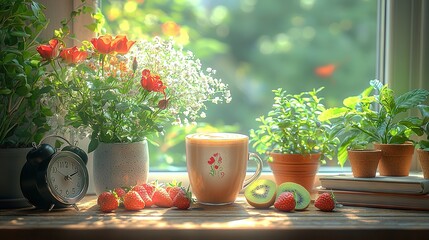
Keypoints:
pixel 217 164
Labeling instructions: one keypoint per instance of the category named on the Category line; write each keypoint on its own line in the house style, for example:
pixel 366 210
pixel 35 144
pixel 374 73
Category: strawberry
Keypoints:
pixel 182 199
pixel 107 202
pixel 285 202
pixel 325 202
pixel 161 198
pixel 120 192
pixel 173 188
pixel 133 201
pixel 150 188
pixel 143 194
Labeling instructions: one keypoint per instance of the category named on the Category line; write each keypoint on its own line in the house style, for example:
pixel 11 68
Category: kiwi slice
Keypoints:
pixel 261 193
pixel 302 196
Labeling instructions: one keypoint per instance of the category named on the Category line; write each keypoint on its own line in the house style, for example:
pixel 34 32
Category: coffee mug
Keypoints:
pixel 217 164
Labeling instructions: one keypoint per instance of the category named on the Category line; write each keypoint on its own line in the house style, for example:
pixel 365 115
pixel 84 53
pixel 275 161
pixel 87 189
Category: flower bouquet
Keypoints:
pixel 122 91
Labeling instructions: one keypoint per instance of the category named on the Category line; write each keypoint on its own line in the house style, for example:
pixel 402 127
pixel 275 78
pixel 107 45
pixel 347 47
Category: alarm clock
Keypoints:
pixel 53 178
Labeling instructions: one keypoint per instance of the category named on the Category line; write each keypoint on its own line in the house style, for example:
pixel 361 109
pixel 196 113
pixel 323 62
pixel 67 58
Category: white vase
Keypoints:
pixel 120 165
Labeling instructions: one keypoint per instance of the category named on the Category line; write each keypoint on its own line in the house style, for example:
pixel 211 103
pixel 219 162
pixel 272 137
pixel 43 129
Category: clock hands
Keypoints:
pixel 71 175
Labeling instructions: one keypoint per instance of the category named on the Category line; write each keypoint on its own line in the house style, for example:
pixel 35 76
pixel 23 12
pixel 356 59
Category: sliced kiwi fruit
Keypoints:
pixel 302 196
pixel 261 193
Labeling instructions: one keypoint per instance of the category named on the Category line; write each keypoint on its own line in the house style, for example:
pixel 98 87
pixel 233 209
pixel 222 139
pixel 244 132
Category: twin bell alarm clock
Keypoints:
pixel 53 178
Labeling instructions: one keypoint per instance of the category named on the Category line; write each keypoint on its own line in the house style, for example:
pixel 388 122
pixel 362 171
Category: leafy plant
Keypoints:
pixel 22 115
pixel 424 126
pixel 374 116
pixel 292 126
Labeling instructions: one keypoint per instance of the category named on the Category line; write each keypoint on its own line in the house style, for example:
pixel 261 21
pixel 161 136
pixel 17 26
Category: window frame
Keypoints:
pixel 402 51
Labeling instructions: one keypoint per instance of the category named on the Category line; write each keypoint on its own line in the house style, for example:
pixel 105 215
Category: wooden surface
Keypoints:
pixel 235 221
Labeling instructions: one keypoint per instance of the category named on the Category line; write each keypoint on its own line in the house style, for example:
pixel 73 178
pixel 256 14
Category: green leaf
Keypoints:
pixel 20 34
pixel 331 113
pixel 93 144
pixel 5 91
pixel 410 100
pixel 351 102
pixel 23 90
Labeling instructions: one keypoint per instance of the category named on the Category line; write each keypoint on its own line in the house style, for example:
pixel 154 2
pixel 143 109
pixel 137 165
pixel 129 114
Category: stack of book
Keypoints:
pixel 409 192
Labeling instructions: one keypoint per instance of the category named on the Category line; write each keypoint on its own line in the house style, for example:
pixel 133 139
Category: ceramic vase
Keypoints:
pixel 120 165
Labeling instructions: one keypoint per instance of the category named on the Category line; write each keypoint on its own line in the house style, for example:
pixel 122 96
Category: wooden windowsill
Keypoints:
pixel 235 221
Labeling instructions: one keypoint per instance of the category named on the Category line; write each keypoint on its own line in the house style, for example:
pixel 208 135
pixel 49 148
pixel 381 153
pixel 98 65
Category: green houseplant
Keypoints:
pixel 292 129
pixel 375 117
pixel 423 144
pixel 23 116
pixel 352 123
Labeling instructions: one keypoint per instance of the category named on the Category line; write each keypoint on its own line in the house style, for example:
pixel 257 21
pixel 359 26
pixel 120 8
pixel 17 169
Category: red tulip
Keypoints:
pixel 152 83
pixel 73 55
pixel 103 44
pixel 106 44
pixel 48 52
pixel 121 44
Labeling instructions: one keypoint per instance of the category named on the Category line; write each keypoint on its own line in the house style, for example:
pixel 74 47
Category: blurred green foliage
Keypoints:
pixel 257 46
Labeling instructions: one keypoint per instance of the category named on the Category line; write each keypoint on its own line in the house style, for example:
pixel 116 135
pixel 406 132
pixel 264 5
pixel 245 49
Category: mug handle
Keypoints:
pixel 258 171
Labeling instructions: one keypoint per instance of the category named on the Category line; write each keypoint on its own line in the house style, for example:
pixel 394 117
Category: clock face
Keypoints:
pixel 67 177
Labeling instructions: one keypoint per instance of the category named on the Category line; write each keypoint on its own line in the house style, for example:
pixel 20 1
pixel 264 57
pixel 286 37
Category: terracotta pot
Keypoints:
pixel 424 162
pixel 396 159
pixel 295 168
pixel 364 162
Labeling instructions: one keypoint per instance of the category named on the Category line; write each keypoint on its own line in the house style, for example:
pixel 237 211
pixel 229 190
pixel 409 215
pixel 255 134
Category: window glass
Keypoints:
pixel 257 46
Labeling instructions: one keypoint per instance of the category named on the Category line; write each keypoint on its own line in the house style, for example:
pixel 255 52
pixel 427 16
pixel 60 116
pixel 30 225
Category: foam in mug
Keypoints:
pixel 217 164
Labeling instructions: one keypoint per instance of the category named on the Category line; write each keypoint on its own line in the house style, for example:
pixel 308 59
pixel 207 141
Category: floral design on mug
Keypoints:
pixel 215 163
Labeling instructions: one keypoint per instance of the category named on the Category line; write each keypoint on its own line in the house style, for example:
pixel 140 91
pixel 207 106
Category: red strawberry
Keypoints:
pixel 161 198
pixel 133 201
pixel 143 194
pixel 325 202
pixel 150 188
pixel 183 199
pixel 173 186
pixel 107 202
pixel 285 202
pixel 120 192
pixel 174 191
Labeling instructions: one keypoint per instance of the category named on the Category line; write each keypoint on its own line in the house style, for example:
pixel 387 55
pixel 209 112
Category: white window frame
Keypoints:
pixel 402 43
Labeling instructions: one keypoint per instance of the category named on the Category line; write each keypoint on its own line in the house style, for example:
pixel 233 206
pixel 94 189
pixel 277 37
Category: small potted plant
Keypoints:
pixel 294 137
pixel 383 126
pixel 352 125
pixel 423 144
pixel 23 117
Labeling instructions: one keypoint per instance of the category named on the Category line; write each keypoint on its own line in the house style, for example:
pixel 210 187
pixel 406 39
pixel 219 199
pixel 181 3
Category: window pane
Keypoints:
pixel 257 46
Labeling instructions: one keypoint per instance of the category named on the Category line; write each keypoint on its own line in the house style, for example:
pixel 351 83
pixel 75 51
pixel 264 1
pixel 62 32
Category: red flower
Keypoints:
pixel 211 161
pixel 50 51
pixel 121 44
pixel 325 71
pixel 103 44
pixel 106 44
pixel 152 83
pixel 73 55
pixel 216 167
